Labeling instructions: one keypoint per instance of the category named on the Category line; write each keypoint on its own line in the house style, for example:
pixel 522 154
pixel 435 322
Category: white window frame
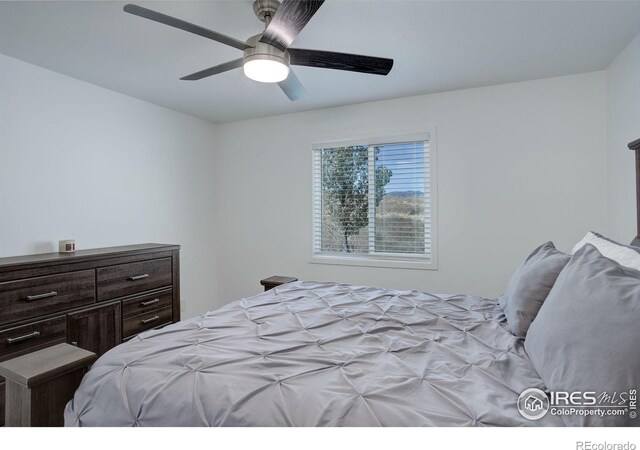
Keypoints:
pixel 387 260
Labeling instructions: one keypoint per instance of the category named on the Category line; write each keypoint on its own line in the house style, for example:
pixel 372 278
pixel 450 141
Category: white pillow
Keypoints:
pixel 622 254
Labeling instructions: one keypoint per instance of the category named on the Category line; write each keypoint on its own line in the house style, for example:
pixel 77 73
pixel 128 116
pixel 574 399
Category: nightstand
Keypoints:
pixel 276 280
pixel 40 383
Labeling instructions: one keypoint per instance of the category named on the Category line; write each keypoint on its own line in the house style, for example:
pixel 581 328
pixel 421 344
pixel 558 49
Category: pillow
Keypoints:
pixel 586 335
pixel 530 285
pixel 622 254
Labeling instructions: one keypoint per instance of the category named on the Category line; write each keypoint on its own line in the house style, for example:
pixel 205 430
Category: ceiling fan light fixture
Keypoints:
pixel 266 68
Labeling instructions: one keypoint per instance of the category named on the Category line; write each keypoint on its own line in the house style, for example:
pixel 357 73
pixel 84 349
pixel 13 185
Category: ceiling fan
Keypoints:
pixel 267 56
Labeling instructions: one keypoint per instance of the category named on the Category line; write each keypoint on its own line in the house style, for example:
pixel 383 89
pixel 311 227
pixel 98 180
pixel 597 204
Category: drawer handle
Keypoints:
pixel 31 298
pixel 139 277
pixel 15 340
pixel 150 302
pixel 152 319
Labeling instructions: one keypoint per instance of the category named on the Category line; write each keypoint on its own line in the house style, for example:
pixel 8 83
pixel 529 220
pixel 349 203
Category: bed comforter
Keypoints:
pixel 317 354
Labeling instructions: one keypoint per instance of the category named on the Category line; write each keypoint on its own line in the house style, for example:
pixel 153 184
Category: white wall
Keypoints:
pixel 623 126
pixel 78 161
pixel 518 164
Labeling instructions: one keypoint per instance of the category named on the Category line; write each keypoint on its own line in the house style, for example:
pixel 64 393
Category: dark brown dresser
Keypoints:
pixel 94 299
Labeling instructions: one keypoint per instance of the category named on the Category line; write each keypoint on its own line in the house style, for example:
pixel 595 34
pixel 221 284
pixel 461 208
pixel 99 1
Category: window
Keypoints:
pixel 373 202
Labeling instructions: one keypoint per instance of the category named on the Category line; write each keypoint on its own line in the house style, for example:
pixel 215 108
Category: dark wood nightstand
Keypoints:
pixel 276 280
pixel 39 384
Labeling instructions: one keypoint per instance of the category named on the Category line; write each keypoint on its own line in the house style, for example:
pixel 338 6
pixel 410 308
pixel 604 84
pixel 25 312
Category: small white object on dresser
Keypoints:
pixel 67 246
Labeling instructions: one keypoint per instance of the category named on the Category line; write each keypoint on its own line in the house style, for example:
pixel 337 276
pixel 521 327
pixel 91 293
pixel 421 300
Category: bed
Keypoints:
pixel 328 354
pixel 317 354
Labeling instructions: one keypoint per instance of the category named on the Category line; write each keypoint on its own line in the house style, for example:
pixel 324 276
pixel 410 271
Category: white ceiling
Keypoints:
pixel 437 46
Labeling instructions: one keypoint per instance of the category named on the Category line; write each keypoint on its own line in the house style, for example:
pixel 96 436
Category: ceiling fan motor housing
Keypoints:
pixel 260 50
pixel 265 8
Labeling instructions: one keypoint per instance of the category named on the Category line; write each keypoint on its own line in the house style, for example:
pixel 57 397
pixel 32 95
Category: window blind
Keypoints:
pixel 373 200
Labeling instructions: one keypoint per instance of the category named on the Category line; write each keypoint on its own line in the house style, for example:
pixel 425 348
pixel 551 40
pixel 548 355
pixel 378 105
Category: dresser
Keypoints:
pixel 93 299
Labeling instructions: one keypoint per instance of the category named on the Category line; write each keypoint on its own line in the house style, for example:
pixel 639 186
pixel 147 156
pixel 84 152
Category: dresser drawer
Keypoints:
pixel 145 303
pixel 127 279
pixel 28 338
pixel 32 297
pixel 137 324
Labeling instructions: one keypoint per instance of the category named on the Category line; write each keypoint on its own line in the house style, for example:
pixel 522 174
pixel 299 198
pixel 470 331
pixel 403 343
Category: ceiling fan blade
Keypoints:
pixel 230 65
pixel 186 26
pixel 292 87
pixel 290 18
pixel 340 61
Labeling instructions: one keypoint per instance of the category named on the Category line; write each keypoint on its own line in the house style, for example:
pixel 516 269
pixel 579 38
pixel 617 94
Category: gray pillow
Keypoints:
pixel 586 336
pixel 530 285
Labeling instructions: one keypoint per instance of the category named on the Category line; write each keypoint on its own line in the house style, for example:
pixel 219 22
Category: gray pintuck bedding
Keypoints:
pixel 317 354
